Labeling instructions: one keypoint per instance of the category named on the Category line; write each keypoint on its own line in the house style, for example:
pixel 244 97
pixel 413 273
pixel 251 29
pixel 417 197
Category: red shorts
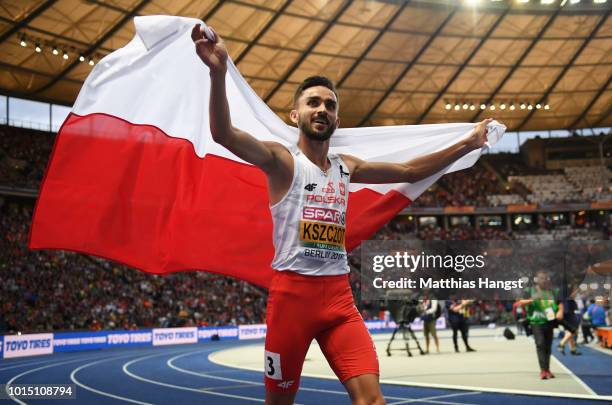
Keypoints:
pixel 302 308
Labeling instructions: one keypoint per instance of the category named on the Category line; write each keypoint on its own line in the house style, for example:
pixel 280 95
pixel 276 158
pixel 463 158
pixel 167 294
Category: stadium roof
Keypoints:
pixel 395 62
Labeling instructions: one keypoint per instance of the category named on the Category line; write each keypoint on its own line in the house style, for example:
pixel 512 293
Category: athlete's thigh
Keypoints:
pixel 284 358
pixel 349 349
pixel 288 336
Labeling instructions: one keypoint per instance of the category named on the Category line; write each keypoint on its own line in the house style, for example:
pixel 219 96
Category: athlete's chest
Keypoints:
pixel 323 195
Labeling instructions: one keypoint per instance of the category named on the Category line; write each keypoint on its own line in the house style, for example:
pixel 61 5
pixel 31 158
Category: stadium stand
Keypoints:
pixel 98 294
pixel 552 188
pixel 594 181
pixel 24 154
pixel 56 290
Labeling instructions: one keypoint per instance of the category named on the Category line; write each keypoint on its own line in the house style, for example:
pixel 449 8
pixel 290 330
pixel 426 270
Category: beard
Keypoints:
pixel 313 134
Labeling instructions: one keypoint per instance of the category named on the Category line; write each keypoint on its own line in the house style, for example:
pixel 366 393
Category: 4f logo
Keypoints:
pixel 285 384
pixel 329 189
pixel 310 187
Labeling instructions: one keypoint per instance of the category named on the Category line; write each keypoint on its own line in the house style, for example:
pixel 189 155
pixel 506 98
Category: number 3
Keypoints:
pixel 270 370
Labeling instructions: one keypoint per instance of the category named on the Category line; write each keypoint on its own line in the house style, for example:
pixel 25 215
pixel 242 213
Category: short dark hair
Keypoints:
pixel 313 81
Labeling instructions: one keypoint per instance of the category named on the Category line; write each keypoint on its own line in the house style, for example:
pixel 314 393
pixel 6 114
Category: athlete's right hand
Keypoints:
pixel 212 53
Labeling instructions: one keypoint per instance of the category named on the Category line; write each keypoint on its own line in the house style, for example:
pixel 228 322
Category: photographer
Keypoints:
pixel 543 311
pixel 458 318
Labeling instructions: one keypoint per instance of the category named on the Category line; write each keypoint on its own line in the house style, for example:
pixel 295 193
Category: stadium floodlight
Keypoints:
pixel 530 107
pixel 546 107
pixel 492 108
pixel 91 62
pixel 574 1
pixel 483 106
pixel 466 106
pixel 457 107
pixel 538 106
pixel 81 58
pixel 512 107
pixel 448 106
pixel 55 51
pixel 472 107
pixel 523 106
pixel 37 48
pixel 523 1
pixel 599 1
pixel 502 106
pixel 65 55
pixel 547 1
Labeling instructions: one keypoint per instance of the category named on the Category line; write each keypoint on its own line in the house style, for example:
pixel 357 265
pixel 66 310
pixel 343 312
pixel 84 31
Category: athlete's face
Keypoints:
pixel 316 113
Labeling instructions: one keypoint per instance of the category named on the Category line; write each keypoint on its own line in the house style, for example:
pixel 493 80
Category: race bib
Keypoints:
pixel 550 314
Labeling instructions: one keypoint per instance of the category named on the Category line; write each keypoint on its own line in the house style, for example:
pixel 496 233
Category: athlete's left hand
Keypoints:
pixel 478 137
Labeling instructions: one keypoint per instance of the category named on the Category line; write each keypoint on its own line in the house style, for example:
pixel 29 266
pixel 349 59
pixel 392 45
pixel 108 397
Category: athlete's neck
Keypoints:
pixel 316 151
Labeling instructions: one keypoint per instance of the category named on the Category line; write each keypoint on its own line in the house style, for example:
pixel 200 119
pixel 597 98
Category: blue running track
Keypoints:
pixel 184 375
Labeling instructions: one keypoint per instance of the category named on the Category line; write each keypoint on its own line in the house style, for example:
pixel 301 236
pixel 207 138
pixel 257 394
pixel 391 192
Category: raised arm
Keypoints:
pixel 417 169
pixel 242 144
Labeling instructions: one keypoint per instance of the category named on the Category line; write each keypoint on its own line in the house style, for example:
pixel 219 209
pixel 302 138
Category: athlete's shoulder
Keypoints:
pixel 282 153
pixel 351 161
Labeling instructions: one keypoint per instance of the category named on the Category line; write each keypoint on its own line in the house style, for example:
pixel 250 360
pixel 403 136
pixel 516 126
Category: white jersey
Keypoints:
pixel 310 220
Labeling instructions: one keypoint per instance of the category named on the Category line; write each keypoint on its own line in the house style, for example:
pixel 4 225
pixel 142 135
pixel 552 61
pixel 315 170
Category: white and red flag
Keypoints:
pixel 136 177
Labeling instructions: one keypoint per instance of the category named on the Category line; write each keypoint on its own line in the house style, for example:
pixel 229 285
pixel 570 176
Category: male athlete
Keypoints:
pixel 309 296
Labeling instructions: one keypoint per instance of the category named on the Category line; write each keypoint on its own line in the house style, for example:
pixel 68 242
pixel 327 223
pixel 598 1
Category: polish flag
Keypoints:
pixel 135 176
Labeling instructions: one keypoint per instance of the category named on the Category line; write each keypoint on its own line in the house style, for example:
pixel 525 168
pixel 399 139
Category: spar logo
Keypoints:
pixel 323 214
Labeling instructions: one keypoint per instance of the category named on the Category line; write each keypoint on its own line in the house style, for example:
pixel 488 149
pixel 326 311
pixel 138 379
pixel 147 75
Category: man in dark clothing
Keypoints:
pixel 458 318
pixel 570 323
pixel 587 334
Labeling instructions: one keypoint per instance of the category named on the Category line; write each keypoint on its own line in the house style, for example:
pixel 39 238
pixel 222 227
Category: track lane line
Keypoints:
pixel 171 364
pixel 126 370
pixel 15 378
pixel 100 392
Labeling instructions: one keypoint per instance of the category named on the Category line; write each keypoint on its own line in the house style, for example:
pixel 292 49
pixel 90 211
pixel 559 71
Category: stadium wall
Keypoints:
pixel 13 346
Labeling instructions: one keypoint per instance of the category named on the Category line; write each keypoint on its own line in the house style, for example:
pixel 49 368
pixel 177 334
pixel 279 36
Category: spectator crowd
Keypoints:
pixel 56 290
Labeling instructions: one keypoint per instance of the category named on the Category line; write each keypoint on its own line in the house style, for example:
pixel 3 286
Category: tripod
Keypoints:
pixel 404 312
